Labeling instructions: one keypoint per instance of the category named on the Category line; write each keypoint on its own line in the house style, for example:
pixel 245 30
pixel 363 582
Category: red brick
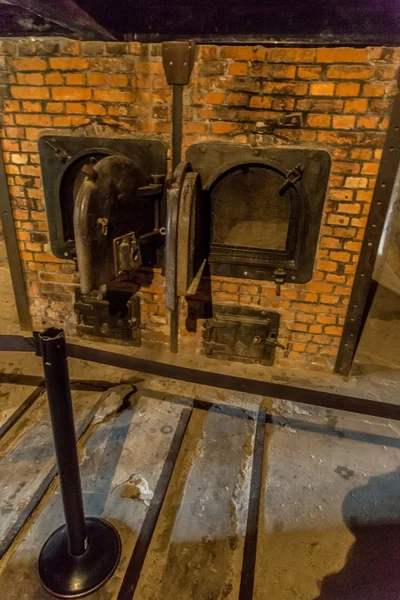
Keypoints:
pixel 75 108
pixel 54 107
pixel 29 93
pixel 322 89
pixel 38 120
pixel 55 78
pixel 43 257
pixel 10 145
pixel 337 220
pixel 239 52
pixel 237 99
pixel 230 287
pixel 330 242
pixel 195 127
pixel 356 182
pixel 292 55
pixel 322 339
pixel 319 120
pixel 356 106
pixel 326 265
pixel 330 330
pixel 340 256
pixel 336 137
pixel 19 159
pixel 96 79
pixel 30 78
pixel 361 153
pixel 347 72
pixel 297 347
pixel 31 170
pixel 343 121
pixel 335 278
pixel 93 108
pixel 224 127
pixel 329 351
pixel 11 106
pixel 353 246
pixel 117 80
pixel 309 72
pixel 61 121
pixel 367 122
pixel 113 96
pixel 29 64
pixel 301 337
pixel 386 72
pixel 325 319
pixel 361 222
pixel 225 297
pixel 340 194
pixel 341 55
pixel 238 68
pixel 349 208
pixel 347 89
pixel 75 79
pixel 297 326
pixel 69 64
pixel 373 89
pixel 72 93
pixel 31 107
pixel 370 168
pixel 281 87
pixel 260 102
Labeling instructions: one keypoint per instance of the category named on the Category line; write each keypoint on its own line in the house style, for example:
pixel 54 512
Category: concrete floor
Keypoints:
pixel 330 484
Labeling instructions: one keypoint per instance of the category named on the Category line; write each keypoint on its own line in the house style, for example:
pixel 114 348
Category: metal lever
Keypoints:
pixel 271 340
pixel 61 154
pixel 279 278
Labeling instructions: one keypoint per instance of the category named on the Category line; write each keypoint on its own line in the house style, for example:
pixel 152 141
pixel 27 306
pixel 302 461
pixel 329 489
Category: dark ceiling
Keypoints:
pixel 340 22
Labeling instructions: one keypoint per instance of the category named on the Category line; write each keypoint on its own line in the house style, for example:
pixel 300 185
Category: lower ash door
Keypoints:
pixel 241 333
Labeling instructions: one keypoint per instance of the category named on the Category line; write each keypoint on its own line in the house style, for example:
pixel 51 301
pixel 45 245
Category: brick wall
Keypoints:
pixel 337 99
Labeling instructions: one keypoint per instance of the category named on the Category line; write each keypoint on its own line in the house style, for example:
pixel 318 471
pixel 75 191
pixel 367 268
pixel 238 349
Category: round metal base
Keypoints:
pixel 67 576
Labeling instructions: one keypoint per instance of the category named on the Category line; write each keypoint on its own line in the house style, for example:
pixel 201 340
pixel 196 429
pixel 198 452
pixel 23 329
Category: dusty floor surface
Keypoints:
pixel 329 520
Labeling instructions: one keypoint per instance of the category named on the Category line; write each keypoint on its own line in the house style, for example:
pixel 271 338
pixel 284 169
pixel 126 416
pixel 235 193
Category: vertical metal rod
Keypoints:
pixel 174 329
pixel 14 260
pixel 177 124
pixel 55 365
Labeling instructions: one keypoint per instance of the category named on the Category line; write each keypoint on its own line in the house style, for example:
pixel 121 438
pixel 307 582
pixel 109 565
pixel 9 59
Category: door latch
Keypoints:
pixel 279 279
pixel 272 340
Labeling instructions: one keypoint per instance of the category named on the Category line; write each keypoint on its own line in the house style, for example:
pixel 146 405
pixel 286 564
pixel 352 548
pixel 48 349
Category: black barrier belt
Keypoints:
pixel 279 391
pixel 17 343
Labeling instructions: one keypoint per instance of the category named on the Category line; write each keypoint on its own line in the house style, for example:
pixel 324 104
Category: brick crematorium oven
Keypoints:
pixel 245 247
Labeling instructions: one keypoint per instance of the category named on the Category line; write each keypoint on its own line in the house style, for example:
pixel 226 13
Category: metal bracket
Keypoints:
pixel 279 279
pixel 178 61
pixel 126 253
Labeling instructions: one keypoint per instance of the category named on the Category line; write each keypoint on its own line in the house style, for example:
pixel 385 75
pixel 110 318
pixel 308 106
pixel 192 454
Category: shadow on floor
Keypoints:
pixel 372 514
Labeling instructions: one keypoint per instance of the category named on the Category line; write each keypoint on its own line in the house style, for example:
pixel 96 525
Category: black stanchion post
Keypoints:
pixel 80 556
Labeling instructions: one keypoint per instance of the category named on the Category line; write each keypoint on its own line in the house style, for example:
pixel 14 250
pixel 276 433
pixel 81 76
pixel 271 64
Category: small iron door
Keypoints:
pixel 241 333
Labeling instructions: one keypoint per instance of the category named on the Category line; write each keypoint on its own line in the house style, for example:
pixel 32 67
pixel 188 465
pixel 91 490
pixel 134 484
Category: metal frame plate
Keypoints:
pixel 356 314
pixel 149 155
